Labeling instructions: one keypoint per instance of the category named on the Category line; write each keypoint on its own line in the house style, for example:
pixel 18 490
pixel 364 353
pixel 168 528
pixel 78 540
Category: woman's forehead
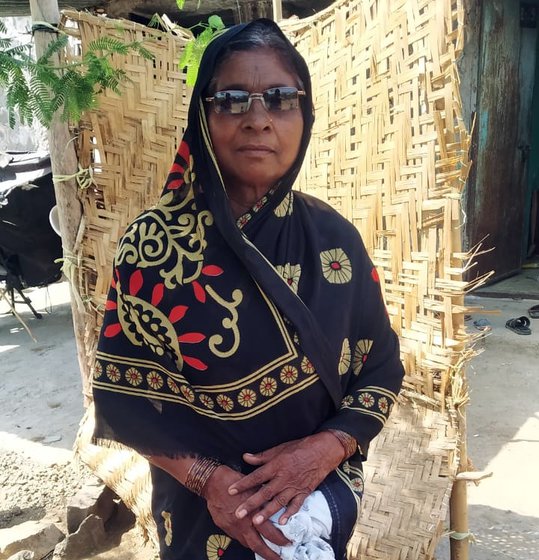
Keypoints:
pixel 254 68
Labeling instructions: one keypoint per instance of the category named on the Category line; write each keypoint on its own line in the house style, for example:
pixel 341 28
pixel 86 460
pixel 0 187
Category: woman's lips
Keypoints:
pixel 257 150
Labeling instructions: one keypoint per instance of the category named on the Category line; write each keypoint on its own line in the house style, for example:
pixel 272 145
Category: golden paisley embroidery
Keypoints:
pixel 291 274
pixel 152 242
pixel 286 206
pixel 247 398
pixel 346 357
pixel 229 323
pixel 336 266
pixel 361 352
pixel 98 370
pixel 138 319
pixel 289 375
pixel 113 373
pixel 133 376
pixel 216 546
pixel 167 518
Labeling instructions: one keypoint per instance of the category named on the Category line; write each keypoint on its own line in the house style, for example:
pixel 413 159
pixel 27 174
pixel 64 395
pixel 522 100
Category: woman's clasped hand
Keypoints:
pixel 223 509
pixel 286 475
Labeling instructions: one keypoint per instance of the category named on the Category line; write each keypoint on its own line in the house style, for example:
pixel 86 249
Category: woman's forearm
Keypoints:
pixel 177 467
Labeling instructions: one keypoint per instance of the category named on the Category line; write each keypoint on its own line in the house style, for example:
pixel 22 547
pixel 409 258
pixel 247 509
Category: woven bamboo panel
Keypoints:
pixel 407 487
pixel 125 472
pixel 128 144
pixel 389 152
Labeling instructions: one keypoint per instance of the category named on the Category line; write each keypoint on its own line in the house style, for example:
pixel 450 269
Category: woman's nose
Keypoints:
pixel 257 116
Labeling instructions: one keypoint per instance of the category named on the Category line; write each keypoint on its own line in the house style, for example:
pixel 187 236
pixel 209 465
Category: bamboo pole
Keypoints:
pixel 63 162
pixel 458 507
pixel 459 542
pixel 277 10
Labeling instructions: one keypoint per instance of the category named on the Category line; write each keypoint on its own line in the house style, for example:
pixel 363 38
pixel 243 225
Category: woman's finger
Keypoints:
pixel 256 543
pixel 267 455
pixel 253 480
pixel 272 534
pixel 293 507
pixel 256 501
pixel 279 502
pixel 254 459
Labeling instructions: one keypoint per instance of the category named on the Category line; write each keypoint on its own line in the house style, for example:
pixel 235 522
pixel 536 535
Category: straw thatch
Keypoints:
pixel 389 151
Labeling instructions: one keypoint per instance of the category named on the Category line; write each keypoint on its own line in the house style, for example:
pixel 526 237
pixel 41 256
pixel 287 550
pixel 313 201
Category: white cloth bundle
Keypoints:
pixel 306 531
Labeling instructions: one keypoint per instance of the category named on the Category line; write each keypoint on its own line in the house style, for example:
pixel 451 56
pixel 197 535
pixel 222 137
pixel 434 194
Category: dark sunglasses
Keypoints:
pixel 235 102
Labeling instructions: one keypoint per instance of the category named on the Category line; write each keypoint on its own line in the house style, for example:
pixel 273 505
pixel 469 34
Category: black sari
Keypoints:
pixel 223 336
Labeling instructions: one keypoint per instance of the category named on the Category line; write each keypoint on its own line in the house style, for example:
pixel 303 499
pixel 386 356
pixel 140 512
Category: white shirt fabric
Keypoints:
pixel 306 531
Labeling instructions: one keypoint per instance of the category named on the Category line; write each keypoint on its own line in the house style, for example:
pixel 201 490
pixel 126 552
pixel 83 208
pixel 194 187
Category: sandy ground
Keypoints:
pixel 41 406
pixel 40 410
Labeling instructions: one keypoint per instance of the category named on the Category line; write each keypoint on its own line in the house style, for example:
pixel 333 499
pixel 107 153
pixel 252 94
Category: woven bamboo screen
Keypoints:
pixel 389 152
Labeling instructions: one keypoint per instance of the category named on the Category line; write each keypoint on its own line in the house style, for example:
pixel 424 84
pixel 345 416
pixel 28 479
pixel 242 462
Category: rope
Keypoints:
pixel 70 267
pixel 84 178
pixel 44 27
pixel 462 536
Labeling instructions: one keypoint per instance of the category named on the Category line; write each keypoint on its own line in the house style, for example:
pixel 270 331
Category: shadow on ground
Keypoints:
pixel 503 535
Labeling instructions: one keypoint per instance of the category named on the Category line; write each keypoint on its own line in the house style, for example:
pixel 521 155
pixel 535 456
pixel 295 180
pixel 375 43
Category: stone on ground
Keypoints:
pixel 94 498
pixel 36 536
pixel 23 555
pixel 89 538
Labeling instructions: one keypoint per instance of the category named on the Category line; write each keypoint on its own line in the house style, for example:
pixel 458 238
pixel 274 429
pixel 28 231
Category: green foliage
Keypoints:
pixel 38 89
pixel 192 54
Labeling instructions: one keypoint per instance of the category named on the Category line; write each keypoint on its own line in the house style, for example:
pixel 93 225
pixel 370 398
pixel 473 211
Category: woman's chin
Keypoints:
pixel 259 180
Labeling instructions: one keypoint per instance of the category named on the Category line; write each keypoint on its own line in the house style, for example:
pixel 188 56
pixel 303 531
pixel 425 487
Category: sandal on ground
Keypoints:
pixel 521 325
pixel 533 312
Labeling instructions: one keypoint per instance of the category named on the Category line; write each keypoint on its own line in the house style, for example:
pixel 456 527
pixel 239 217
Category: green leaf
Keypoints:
pixel 194 49
pixel 11 117
pixel 215 22
pixel 192 73
pixel 186 56
pixel 108 44
pixel 140 49
pixel 180 4
pixel 38 89
pixel 54 47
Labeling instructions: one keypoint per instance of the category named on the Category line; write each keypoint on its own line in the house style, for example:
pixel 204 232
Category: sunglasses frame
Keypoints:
pixel 255 95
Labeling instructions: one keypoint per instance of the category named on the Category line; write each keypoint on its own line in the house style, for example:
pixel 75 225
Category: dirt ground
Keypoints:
pixel 40 410
pixel 41 406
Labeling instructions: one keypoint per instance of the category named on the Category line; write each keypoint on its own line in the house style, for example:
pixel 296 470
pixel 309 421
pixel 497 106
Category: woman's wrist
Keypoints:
pixel 347 441
pixel 200 473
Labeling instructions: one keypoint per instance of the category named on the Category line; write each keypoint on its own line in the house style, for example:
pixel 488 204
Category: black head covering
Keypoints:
pixel 197 135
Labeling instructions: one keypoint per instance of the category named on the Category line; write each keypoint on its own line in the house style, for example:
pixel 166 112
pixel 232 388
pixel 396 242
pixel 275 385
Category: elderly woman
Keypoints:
pixel 246 350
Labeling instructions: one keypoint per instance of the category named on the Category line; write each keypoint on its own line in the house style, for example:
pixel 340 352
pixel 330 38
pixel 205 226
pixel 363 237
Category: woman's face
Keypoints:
pixel 255 149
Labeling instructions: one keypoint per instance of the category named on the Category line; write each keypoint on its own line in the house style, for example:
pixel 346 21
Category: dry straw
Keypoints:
pixel 389 151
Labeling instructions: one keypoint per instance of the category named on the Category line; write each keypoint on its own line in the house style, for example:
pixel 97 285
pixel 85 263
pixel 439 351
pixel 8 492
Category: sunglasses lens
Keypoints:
pixel 231 101
pixel 235 102
pixel 281 99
